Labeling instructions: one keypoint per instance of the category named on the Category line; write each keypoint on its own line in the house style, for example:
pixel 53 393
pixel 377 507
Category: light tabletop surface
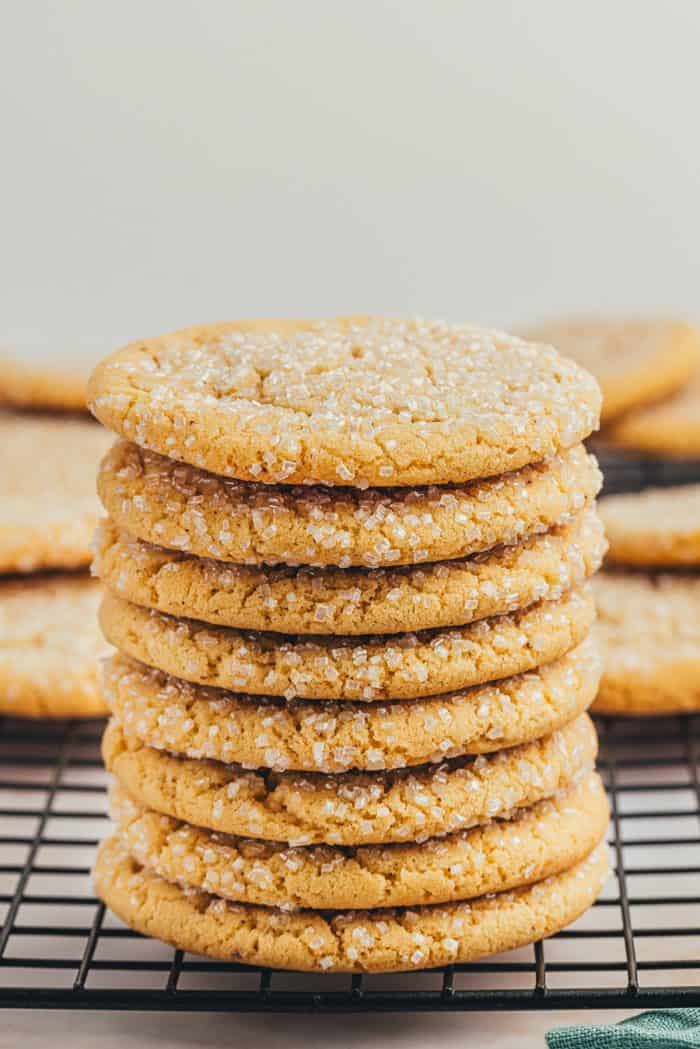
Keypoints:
pixel 72 1030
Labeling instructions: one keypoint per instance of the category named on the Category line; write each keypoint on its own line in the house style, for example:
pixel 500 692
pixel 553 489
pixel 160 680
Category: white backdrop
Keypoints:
pixel 172 161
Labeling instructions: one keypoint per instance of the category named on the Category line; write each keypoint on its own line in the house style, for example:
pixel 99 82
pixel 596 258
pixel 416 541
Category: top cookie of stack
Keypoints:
pixel 356 549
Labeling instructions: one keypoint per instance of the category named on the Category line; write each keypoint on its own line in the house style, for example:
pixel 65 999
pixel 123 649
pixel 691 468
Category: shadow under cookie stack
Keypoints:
pixel 346 568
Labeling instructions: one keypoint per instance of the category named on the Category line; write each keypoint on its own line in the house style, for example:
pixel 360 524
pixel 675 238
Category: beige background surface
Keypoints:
pixel 175 161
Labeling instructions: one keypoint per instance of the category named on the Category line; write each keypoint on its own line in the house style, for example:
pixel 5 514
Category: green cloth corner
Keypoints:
pixel 660 1029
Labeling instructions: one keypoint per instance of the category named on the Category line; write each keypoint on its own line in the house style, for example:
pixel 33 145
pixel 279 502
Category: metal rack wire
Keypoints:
pixel 626 473
pixel 638 946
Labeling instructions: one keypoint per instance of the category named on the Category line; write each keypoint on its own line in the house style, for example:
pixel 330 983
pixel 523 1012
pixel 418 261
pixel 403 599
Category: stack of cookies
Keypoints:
pixel 49 641
pixel 346 568
pixel 649 603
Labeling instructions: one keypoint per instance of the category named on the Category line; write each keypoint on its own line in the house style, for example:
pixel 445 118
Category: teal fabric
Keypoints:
pixel 661 1029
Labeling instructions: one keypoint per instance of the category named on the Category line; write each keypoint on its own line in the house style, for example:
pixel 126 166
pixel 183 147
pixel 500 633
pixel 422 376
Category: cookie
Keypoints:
pixel 636 362
pixel 352 808
pixel 49 647
pixel 659 527
pixel 384 666
pixel 351 601
pixel 649 633
pixel 43 383
pixel 670 429
pixel 344 941
pixel 48 506
pixel 57 381
pixel 380 402
pixel 502 854
pixel 182 508
pixel 257 732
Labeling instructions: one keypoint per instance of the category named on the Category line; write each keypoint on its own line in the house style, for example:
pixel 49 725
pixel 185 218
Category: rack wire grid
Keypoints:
pixel 638 946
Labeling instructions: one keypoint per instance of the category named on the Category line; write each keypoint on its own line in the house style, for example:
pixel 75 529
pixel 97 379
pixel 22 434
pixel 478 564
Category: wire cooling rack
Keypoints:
pixel 638 946
pixel 626 473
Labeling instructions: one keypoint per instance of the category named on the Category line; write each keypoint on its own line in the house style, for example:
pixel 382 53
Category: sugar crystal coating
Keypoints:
pixel 381 402
pixel 293 600
pixel 352 808
pixel 257 732
pixel 516 849
pixel 365 444
pixel 366 669
pixel 184 508
pixel 345 941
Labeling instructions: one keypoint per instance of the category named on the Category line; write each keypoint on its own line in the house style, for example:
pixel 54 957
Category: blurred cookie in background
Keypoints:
pixel 636 362
pixel 50 647
pixel 49 640
pixel 659 527
pixel 649 619
pixel 668 430
pixel 37 383
pixel 40 373
pixel 649 631
pixel 48 505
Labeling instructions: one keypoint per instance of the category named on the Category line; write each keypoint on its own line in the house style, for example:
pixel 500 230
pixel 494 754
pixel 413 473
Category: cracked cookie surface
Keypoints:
pixel 345 941
pixel 351 601
pixel 352 808
pixel 499 855
pixel 180 507
pixel 381 402
pixel 384 666
pixel 259 732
